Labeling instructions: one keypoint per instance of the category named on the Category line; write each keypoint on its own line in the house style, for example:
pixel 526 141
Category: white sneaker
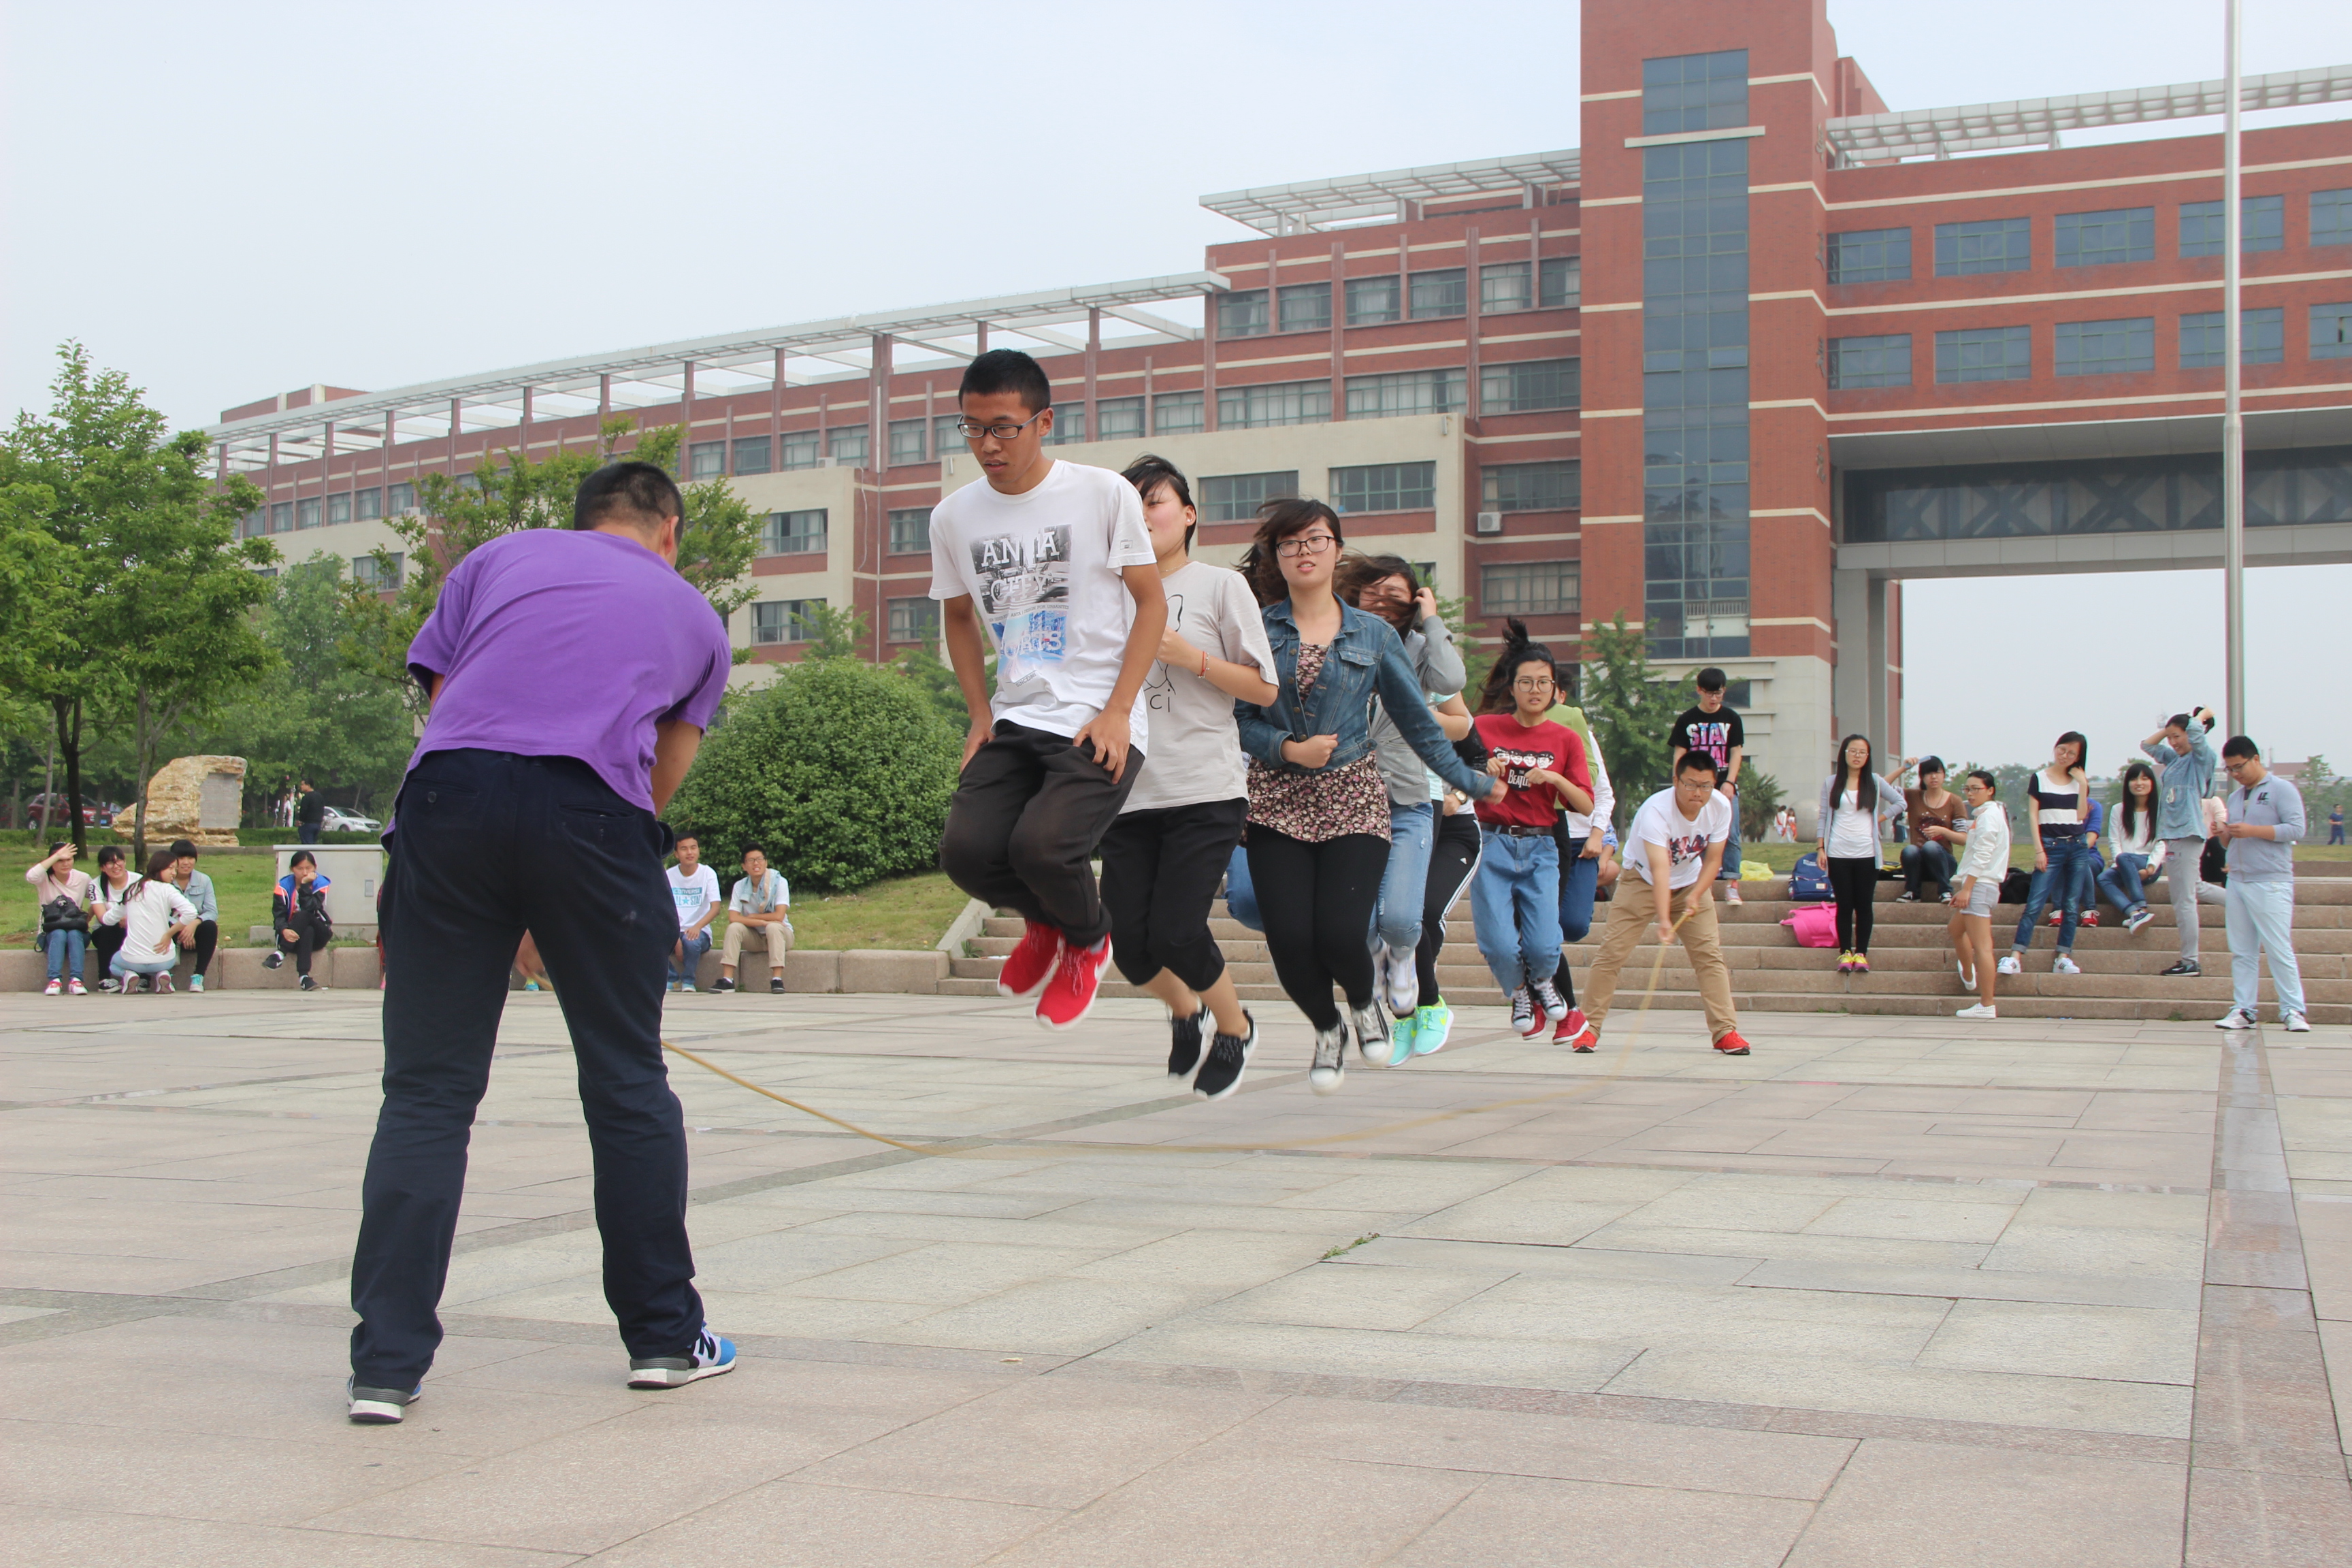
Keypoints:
pixel 2296 1023
pixel 1731 892
pixel 1330 1059
pixel 2065 965
pixel 1401 985
pixel 1523 1011
pixel 2009 965
pixel 2235 1018
pixel 1968 975
pixel 1373 1040
pixel 1547 997
pixel 1978 1011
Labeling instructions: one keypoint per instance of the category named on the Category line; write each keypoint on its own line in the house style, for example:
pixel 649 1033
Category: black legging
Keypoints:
pixel 308 938
pixel 207 938
pixel 1452 861
pixel 1316 901
pixel 1854 880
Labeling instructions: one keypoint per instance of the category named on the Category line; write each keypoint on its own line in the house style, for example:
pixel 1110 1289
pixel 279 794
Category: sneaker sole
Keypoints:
pixel 387 1412
pixel 1331 1088
pixel 675 1376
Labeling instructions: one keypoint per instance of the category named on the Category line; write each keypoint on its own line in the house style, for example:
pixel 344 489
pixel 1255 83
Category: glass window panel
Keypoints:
pixel 1506 286
pixel 1177 413
pixel 1984 353
pixel 1560 282
pixel 1240 313
pixel 914 620
pixel 1236 498
pixel 906 441
pixel 2262 338
pixel 1529 588
pixel 1121 418
pixel 384 577
pixel 2331 218
pixel 401 498
pixel 2262 226
pixel 306 513
pixel 1870 255
pixel 1444 292
pixel 846 444
pixel 1306 308
pixel 1883 361
pixel 2331 331
pixel 1531 486
pixel 1524 386
pixel 946 440
pixel 784 620
pixel 751 454
pixel 2105 348
pixel 339 507
pixel 1988 245
pixel 1694 92
pixel 367 505
pixel 797 449
pixel 2098 239
pixel 1406 391
pixel 1372 300
pixel 911 531
pixel 705 460
pixel 1274 403
pixel 1384 487
pixel 1069 424
pixel 794 533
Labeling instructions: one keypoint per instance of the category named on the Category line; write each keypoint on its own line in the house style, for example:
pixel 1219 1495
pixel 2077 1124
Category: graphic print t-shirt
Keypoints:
pixel 1043 569
pixel 1555 748
pixel 694 894
pixel 1196 753
pixel 1661 821
pixel 1717 735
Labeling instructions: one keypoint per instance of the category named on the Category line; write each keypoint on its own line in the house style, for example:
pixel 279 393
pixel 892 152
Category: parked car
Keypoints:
pixel 59 806
pixel 338 820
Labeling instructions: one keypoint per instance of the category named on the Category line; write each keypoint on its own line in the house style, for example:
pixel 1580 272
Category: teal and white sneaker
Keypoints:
pixel 1430 1024
pixel 1402 1036
pixel 710 1357
pixel 379 1407
pixel 195 985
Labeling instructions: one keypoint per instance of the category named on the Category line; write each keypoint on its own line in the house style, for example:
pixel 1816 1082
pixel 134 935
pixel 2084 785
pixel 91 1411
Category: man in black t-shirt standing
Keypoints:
pixel 1715 729
pixel 310 815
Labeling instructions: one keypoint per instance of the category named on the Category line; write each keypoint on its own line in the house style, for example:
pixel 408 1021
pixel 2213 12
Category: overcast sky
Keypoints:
pixel 231 200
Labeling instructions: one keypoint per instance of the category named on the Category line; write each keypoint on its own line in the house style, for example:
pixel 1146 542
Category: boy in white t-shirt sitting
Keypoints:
pixel 1054 558
pixel 1672 855
pixel 760 912
pixel 695 886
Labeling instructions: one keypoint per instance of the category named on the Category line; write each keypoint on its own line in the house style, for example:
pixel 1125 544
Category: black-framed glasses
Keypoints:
pixel 1304 544
pixel 1533 683
pixel 972 430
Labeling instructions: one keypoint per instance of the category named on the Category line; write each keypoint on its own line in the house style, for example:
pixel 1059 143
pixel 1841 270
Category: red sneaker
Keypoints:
pixel 1731 1044
pixel 1070 995
pixel 1570 1027
pixel 1585 1040
pixel 1031 965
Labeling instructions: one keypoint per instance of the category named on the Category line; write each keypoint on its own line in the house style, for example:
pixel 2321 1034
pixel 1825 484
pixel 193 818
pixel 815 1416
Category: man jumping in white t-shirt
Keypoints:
pixel 1672 854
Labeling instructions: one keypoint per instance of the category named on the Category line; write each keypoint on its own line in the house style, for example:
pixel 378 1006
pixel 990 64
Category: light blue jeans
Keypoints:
pixel 65 953
pixel 1514 900
pixel 695 946
pixel 2261 925
pixel 1404 886
pixel 2121 883
pixel 123 965
pixel 1241 893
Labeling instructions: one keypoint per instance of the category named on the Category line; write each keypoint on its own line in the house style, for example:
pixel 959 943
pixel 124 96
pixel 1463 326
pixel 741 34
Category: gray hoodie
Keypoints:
pixel 2183 780
pixel 1437 664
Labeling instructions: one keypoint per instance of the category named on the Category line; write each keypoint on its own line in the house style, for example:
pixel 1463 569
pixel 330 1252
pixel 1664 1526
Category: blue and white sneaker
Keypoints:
pixel 710 1357
pixel 379 1407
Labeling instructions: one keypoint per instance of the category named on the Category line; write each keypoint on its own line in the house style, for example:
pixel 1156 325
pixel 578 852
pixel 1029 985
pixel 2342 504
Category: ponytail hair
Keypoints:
pixel 1518 648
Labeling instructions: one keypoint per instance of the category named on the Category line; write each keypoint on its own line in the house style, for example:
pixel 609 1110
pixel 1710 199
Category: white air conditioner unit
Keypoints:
pixel 1489 523
pixel 828 462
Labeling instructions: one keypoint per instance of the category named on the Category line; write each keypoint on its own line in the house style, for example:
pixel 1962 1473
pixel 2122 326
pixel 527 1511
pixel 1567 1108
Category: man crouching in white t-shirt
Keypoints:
pixel 1054 558
pixel 1672 854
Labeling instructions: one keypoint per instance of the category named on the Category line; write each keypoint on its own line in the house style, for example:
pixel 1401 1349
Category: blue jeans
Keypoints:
pixel 1578 884
pixel 1404 886
pixel 149 966
pixel 2122 884
pixel 1241 893
pixel 1514 900
pixel 695 946
pixel 2261 925
pixel 65 948
pixel 1730 872
pixel 2067 883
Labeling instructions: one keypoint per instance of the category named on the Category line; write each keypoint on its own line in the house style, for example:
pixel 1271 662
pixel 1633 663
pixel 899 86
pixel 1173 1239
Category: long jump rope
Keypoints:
pixel 942 1148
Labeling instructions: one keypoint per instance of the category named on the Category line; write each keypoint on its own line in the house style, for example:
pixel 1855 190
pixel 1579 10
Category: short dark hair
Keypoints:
pixel 1711 679
pixel 637 494
pixel 300 857
pixel 2240 746
pixel 749 850
pixel 1007 370
pixel 1931 765
pixel 1150 471
pixel 108 854
pixel 181 849
pixel 1990 782
pixel 1691 761
pixel 686 836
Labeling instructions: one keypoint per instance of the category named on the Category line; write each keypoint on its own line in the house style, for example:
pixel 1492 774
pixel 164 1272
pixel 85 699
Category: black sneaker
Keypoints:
pixel 379 1407
pixel 775 986
pixel 273 960
pixel 2186 966
pixel 1229 1056
pixel 722 983
pixel 1184 1044
pixel 308 982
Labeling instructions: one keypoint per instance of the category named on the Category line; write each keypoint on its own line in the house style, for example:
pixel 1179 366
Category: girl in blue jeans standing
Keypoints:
pixel 2058 802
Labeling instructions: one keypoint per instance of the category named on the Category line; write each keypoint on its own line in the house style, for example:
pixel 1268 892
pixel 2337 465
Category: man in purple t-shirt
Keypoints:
pixel 527 812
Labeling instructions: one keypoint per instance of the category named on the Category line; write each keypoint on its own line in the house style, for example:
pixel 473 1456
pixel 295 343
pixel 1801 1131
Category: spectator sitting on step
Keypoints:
pixel 62 896
pixel 695 886
pixel 112 882
pixel 298 911
pixel 151 912
pixel 203 937
pixel 760 912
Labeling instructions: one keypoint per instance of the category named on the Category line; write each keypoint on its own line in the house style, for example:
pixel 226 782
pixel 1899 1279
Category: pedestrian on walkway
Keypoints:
pixel 2058 807
pixel 195 887
pixel 310 814
pixel 1175 835
pixel 2266 819
pixel 298 913
pixel 1711 727
pixel 1984 861
pixel 694 888
pixel 2139 852
pixel 61 897
pixel 759 912
pixel 521 814
pixel 153 914
pixel 1053 557
pixel 1854 802
pixel 2183 755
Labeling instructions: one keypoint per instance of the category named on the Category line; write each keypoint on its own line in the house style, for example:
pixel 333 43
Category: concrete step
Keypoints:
pixel 233 969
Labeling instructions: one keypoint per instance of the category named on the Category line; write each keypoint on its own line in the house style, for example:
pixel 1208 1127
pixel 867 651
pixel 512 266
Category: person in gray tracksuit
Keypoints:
pixel 2184 761
pixel 2266 820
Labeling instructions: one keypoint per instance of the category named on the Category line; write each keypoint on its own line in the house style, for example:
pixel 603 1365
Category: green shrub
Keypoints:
pixel 841 771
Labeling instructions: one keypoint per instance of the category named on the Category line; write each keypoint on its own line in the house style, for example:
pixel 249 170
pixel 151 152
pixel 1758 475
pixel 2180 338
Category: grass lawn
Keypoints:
pixel 901 912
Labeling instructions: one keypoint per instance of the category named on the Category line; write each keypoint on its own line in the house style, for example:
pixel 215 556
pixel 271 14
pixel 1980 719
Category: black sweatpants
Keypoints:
pixel 1854 881
pixel 207 935
pixel 309 938
pixel 105 941
pixel 1161 868
pixel 1318 902
pixel 488 845
pixel 1452 861
pixel 1028 812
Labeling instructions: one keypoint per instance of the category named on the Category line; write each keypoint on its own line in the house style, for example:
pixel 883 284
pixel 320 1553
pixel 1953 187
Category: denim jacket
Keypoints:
pixel 1366 661
pixel 2183 780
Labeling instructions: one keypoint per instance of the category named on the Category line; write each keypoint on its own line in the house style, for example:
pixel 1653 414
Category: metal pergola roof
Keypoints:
pixel 732 363
pixel 1313 204
pixel 2040 122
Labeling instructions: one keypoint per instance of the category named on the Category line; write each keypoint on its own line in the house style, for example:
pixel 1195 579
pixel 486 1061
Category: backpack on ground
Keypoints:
pixel 1808 881
pixel 2017 886
pixel 1815 925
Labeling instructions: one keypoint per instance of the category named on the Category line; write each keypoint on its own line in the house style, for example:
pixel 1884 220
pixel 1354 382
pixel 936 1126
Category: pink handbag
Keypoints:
pixel 1814 925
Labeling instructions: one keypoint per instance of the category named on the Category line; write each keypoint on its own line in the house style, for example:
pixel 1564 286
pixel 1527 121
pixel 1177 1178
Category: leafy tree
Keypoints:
pixel 931 675
pixel 1761 799
pixel 840 632
pixel 1631 709
pixel 457 516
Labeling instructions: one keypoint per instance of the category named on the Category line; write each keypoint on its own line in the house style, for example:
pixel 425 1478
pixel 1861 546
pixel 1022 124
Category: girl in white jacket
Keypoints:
pixel 1983 864
pixel 151 912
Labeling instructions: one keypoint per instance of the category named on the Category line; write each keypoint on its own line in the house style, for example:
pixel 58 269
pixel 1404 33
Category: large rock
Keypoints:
pixel 200 799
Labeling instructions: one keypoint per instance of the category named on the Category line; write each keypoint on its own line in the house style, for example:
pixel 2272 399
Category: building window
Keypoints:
pixel 281 517
pixel 906 441
pixel 1531 486
pixel 382 577
pixel 705 460
pixel 1069 424
pixel 1560 282
pixel 1385 486
pixel 1694 92
pixel 1372 300
pixel 846 444
pixel 1236 498
pixel 2262 338
pixel 1528 588
pixel 400 498
pixel 253 523
pixel 367 505
pixel 1506 286
pixel 914 620
pixel 2331 218
pixel 1524 386
pixel 2262 226
pixel 1177 414
pixel 911 531
pixel 751 454
pixel 1242 313
pixel 1121 418
pixel 1406 391
pixel 784 620
pixel 2331 331
pixel 797 449
pixel 1274 403
pixel 1985 353
pixel 1445 292
pixel 1306 308
pixel 1991 244
pixel 2096 239
pixel 339 507
pixel 1870 361
pixel 794 533
pixel 306 513
pixel 2105 348
pixel 946 440
pixel 1871 256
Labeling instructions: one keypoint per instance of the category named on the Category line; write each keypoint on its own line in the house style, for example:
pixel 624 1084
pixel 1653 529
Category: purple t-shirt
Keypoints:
pixel 554 643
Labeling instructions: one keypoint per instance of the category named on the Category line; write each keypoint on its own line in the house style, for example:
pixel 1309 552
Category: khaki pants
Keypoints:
pixel 1633 918
pixel 775 941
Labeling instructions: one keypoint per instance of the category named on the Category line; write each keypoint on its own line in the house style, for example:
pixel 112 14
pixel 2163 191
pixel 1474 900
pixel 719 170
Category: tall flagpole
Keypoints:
pixel 2233 428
